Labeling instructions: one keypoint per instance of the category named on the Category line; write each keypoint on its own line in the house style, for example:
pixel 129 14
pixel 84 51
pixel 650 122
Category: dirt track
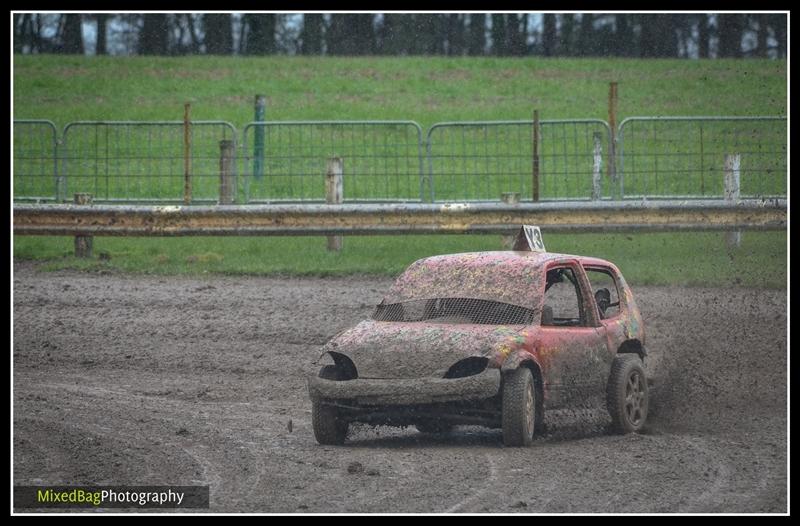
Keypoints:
pixel 154 380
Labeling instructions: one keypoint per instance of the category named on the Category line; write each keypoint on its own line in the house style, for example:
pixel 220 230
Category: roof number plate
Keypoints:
pixel 529 238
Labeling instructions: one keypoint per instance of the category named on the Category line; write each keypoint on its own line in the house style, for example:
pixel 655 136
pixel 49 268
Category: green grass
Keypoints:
pixel 645 259
pixel 423 89
pixel 427 90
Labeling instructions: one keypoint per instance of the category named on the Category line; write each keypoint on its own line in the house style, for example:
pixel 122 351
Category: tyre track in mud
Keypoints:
pixel 133 380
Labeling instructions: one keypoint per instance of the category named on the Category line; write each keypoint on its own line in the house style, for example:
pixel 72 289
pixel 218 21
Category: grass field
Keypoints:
pixel 426 90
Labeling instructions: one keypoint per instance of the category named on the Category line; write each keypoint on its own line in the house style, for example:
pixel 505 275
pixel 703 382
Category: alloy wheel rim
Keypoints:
pixel 635 399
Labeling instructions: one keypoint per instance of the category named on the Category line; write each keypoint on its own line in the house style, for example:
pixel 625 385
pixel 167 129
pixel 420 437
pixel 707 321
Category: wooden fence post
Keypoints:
pixel 612 144
pixel 83 244
pixel 536 147
pixel 187 154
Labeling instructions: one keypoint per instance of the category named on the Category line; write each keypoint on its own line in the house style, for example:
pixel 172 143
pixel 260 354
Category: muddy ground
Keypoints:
pixel 173 380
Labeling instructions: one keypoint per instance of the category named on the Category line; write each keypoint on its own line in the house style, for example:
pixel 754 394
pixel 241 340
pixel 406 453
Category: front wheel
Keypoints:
pixel 519 408
pixel 627 397
pixel 329 428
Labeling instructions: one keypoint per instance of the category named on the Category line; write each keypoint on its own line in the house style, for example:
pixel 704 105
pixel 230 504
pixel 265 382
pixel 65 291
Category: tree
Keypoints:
pixel 586 35
pixel 260 34
pixel 154 37
pixel 72 35
pixel 730 29
pixel 183 35
pixel 28 33
pixel 499 35
pixel 778 24
pixel 351 34
pixel 363 34
pixel 477 34
pixel 624 39
pixel 565 47
pixel 102 22
pixel 549 35
pixel 762 34
pixel 411 43
pixel 658 37
pixel 517 27
pixel 311 35
pixel 455 34
pixel 427 34
pixel 218 36
pixel 682 26
pixel 703 36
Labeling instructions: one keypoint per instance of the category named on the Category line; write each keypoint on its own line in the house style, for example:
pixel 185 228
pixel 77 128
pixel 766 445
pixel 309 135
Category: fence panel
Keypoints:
pixel 684 157
pixel 382 160
pixel 36 176
pixel 479 161
pixel 144 161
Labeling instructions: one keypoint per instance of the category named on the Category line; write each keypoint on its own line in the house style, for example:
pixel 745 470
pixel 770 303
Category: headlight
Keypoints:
pixel 467 367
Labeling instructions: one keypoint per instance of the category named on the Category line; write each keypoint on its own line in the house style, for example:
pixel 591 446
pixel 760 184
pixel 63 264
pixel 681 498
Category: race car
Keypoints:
pixel 488 338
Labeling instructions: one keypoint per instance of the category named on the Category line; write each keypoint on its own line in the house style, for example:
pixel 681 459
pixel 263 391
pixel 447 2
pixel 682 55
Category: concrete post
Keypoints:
pixel 732 187
pixel 227 173
pixel 597 166
pixel 258 137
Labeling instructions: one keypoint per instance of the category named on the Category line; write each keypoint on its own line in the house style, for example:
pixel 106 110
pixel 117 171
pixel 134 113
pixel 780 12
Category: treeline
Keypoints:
pixel 623 35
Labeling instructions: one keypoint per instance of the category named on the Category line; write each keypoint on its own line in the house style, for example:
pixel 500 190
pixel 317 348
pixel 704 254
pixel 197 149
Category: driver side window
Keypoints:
pixel 562 300
pixel 606 293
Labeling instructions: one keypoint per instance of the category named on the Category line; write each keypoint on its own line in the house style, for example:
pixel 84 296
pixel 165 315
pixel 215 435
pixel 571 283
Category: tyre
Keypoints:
pixel 329 428
pixel 433 427
pixel 519 408
pixel 627 396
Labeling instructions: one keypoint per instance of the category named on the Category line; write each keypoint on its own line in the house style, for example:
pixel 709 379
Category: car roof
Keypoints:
pixel 509 276
pixel 510 257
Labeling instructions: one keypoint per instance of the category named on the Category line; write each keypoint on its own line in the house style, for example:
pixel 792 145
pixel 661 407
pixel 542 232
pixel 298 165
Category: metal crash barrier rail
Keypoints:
pixel 406 218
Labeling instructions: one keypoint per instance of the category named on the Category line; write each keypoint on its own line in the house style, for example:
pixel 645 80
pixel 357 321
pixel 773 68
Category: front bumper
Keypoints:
pixel 407 391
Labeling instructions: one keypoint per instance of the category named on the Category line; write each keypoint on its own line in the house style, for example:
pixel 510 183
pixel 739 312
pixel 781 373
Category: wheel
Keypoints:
pixel 626 394
pixel 434 427
pixel 519 408
pixel 329 428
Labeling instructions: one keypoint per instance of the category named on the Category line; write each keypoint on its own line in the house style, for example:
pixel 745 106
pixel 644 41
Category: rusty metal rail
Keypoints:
pixel 405 218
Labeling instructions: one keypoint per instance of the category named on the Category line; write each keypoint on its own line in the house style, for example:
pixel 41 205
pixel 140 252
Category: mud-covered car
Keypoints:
pixel 488 338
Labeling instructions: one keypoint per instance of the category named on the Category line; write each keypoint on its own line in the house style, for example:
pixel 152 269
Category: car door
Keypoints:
pixel 572 344
pixel 613 317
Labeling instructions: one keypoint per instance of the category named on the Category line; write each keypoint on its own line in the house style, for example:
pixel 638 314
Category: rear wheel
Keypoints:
pixel 329 427
pixel 627 397
pixel 519 408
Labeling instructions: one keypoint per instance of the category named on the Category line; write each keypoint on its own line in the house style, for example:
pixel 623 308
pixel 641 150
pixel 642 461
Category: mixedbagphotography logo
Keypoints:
pixel 111 497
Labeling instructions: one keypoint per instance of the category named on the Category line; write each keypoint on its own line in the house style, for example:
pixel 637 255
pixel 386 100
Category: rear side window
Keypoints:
pixel 605 290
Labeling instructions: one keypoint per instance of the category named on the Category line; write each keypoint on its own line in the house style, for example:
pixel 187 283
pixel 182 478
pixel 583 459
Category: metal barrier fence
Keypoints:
pixel 36 174
pixel 479 161
pixel 147 161
pixel 287 160
pixel 684 157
